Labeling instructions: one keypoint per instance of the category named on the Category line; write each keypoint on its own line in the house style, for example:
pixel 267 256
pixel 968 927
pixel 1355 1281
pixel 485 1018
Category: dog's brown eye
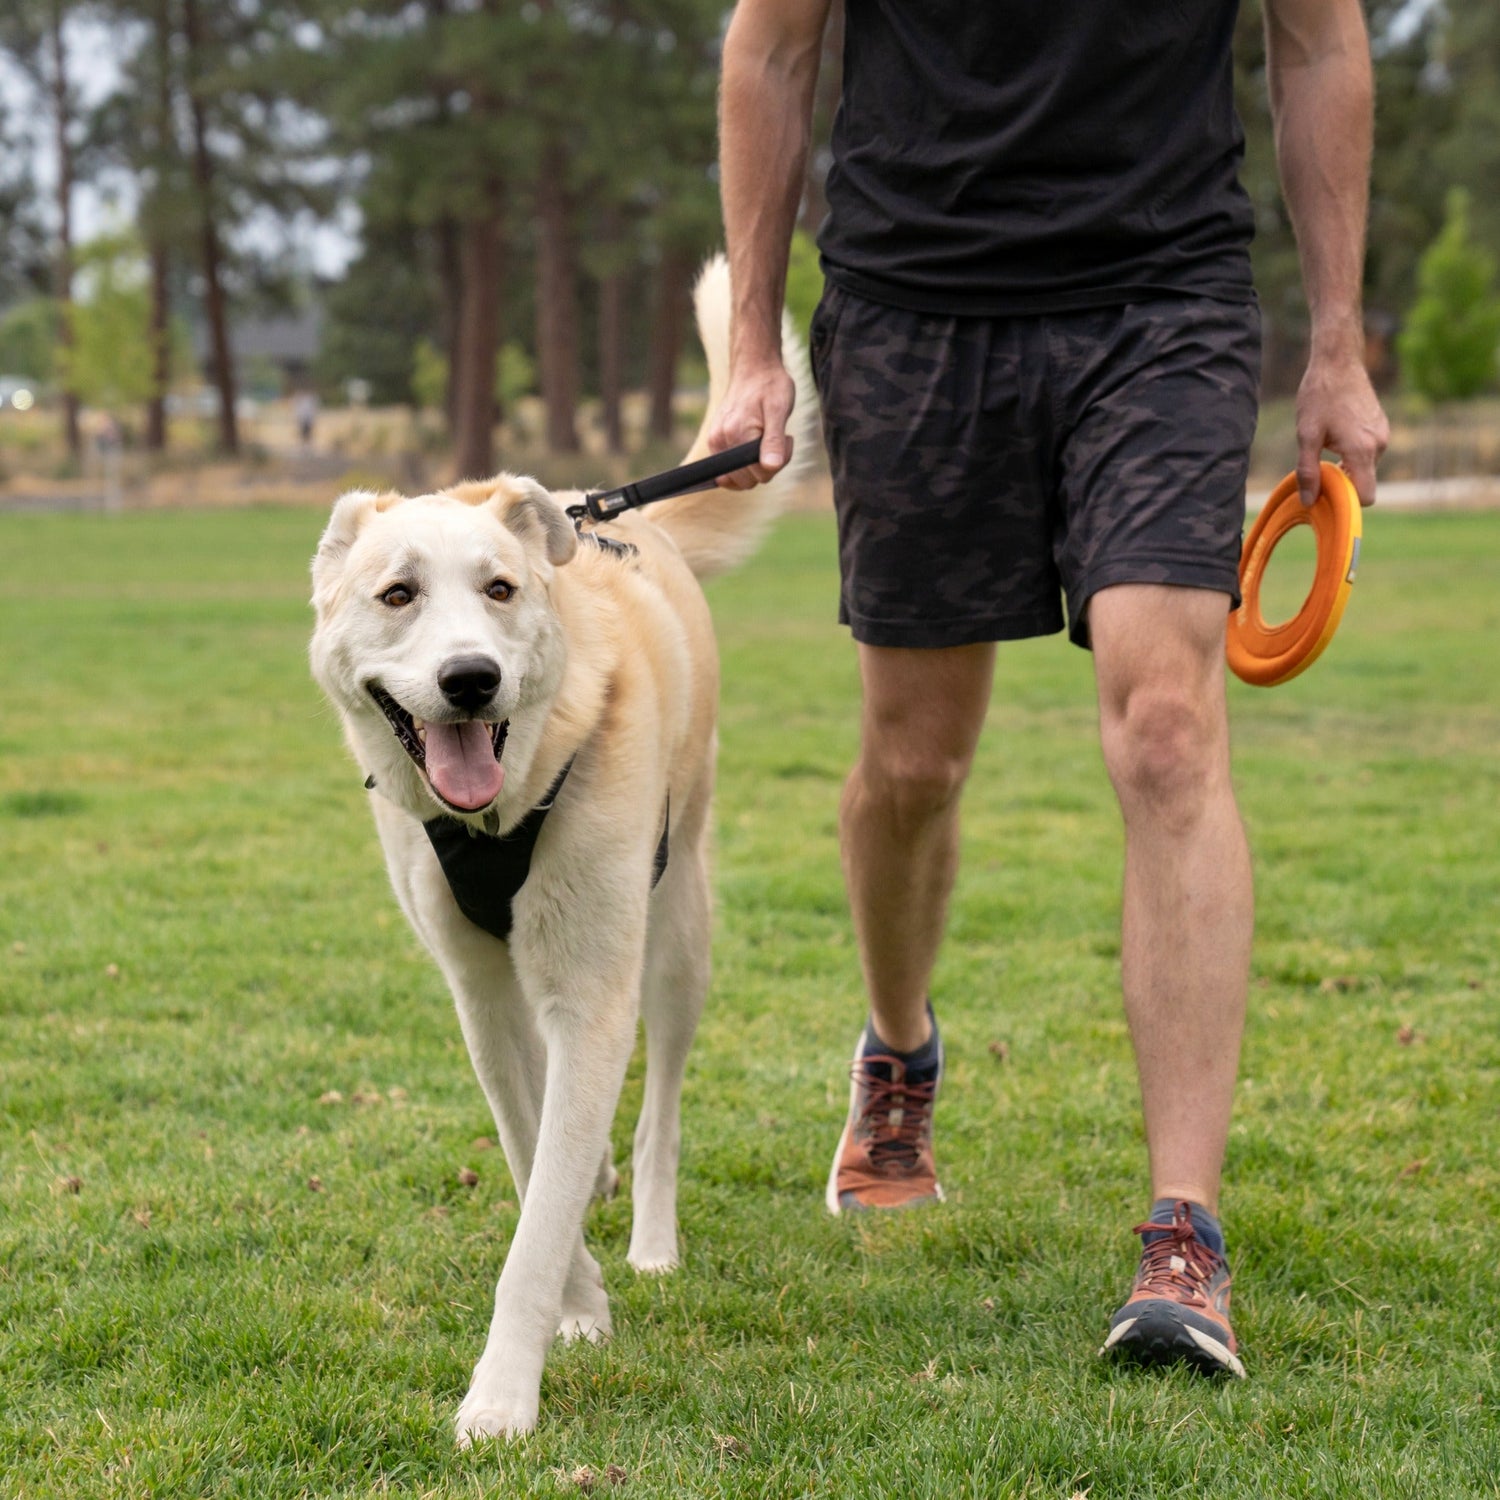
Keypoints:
pixel 500 590
pixel 397 595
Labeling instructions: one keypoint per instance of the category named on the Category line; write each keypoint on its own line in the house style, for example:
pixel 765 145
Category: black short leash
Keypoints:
pixel 686 479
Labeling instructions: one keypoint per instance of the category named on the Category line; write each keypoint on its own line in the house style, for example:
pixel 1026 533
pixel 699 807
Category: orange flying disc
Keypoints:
pixel 1263 654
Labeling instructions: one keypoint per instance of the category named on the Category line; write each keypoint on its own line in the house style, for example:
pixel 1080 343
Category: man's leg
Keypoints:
pixel 1188 906
pixel 898 824
pixel 1185 951
pixel 922 715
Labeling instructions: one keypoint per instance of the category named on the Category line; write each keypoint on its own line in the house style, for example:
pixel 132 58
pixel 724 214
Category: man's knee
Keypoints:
pixel 1165 750
pixel 910 787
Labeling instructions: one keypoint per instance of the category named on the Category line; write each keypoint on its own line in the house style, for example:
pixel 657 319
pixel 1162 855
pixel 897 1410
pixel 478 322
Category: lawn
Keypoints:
pixel 236 1256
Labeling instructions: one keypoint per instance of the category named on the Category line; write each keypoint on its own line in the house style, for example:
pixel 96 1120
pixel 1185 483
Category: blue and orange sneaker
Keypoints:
pixel 884 1157
pixel 1178 1308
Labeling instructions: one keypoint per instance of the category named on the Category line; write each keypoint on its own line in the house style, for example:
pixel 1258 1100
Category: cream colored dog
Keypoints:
pixel 478 651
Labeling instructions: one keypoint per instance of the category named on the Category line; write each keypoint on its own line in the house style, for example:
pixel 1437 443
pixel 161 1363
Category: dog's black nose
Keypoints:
pixel 469 681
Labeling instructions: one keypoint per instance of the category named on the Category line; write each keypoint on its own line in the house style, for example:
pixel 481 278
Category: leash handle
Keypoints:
pixel 604 505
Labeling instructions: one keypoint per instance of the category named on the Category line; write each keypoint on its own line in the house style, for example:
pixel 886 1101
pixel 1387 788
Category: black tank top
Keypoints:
pixel 1000 156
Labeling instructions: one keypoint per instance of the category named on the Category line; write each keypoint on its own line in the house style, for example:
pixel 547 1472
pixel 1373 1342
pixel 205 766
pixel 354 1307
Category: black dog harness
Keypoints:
pixel 485 871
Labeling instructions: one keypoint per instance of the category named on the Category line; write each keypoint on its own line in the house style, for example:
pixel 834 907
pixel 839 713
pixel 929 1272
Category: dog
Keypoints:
pixel 533 706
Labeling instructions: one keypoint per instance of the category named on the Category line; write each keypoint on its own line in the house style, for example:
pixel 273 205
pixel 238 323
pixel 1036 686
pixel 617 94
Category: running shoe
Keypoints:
pixel 884 1158
pixel 1179 1306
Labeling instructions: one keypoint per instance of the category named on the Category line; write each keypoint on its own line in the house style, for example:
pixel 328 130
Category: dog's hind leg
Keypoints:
pixel 676 985
pixel 607 1183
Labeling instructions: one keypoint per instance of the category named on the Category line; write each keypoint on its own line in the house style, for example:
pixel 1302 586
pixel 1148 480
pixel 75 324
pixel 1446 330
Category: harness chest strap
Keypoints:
pixel 485 871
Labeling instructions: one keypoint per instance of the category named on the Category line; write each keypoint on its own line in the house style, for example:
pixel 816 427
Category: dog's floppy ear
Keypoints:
pixel 528 510
pixel 350 512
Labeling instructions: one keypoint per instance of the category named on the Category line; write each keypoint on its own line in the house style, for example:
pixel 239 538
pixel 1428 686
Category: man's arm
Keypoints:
pixel 771 56
pixel 1322 104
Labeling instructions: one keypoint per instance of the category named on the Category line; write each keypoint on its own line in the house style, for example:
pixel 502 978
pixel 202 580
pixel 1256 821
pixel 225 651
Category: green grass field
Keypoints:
pixel 216 1280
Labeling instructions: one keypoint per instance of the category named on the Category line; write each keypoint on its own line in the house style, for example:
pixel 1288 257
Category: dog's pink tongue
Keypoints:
pixel 462 766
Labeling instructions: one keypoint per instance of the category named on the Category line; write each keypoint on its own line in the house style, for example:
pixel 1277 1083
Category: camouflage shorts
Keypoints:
pixel 984 466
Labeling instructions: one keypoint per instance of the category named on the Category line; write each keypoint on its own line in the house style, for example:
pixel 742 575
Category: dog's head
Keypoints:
pixel 436 631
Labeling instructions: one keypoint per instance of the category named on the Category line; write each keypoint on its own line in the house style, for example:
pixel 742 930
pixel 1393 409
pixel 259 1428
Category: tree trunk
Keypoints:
pixel 612 333
pixel 161 342
pixel 161 352
pixel 471 380
pixel 221 355
pixel 672 287
pixel 557 301
pixel 62 115
pixel 449 235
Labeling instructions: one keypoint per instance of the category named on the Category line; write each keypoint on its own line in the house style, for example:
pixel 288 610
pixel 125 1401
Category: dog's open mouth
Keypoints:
pixel 460 761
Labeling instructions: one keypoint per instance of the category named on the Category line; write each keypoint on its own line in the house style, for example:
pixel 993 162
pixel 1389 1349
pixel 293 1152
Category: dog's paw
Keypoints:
pixel 595 1327
pixel 585 1304
pixel 607 1184
pixel 480 1419
pixel 653 1260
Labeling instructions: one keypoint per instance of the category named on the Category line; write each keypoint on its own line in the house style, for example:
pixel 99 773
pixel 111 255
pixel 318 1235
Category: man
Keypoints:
pixel 1038 354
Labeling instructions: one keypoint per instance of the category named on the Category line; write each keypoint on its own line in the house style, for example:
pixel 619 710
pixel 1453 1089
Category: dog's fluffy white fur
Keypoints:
pixel 608 662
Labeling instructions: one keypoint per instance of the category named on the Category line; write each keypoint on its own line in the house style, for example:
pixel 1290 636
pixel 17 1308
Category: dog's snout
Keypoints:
pixel 469 681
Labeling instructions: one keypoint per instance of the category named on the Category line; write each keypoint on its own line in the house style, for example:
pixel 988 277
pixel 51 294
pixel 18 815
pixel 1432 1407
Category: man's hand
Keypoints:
pixel 757 404
pixel 1337 408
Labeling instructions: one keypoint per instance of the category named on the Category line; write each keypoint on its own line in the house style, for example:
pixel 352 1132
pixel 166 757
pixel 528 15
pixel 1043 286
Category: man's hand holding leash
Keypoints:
pixel 757 405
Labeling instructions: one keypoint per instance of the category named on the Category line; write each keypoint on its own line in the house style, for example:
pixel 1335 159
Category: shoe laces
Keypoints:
pixel 1176 1263
pixel 894 1116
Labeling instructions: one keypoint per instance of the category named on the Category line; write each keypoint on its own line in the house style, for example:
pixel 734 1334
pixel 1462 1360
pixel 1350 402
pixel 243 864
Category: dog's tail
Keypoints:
pixel 718 529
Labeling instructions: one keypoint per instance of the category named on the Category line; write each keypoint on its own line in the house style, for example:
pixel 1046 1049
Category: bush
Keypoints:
pixel 1451 336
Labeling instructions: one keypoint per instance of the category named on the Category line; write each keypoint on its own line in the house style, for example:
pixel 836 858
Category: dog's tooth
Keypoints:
pixel 422 733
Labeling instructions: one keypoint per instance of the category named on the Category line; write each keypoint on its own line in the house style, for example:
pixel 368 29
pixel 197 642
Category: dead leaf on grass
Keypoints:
pixel 1406 1036
pixel 70 1184
pixel 315 1184
pixel 111 971
pixel 1339 984
pixel 927 1372
pixel 468 1177
pixel 587 1480
pixel 481 1143
pixel 1414 1168
pixel 728 1445
pixel 1000 1051
pixel 142 1216
pixel 331 1097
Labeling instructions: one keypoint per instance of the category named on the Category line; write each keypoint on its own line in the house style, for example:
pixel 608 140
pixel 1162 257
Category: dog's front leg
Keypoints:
pixel 588 1038
pixel 510 1060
